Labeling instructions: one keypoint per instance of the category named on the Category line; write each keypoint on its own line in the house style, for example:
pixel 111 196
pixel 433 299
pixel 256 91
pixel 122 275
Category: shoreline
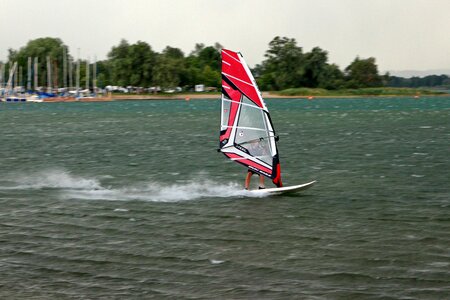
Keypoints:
pixel 265 95
pixel 216 96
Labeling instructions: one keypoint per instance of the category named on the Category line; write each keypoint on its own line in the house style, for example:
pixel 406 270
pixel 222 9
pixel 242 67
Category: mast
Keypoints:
pixel 55 75
pixel 2 74
pixel 36 83
pixel 49 75
pixel 20 79
pixel 94 75
pixel 64 67
pixel 87 74
pixel 29 75
pixel 9 84
pixel 70 73
pixel 78 72
pixel 16 77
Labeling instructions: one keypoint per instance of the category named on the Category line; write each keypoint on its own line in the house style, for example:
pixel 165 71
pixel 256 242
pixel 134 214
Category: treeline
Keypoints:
pixel 138 65
pixel 127 64
pixel 285 66
pixel 416 82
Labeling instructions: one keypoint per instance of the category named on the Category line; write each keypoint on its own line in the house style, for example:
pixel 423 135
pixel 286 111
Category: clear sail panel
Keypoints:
pixel 252 133
pixel 226 104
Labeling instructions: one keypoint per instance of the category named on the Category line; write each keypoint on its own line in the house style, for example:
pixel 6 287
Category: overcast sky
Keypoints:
pixel 400 34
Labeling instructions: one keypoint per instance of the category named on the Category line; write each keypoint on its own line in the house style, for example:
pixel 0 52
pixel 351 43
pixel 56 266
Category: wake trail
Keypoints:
pixel 69 186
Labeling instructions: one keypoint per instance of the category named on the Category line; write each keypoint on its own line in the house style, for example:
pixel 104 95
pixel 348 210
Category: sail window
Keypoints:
pixel 226 105
pixel 251 132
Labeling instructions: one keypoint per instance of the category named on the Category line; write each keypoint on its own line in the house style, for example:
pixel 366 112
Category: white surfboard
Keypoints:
pixel 285 189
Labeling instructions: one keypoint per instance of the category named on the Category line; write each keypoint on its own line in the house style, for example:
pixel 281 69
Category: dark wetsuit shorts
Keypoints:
pixel 251 171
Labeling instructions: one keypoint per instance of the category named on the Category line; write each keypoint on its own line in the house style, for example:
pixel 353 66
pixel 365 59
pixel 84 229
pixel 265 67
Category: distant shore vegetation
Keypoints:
pixel 287 69
pixel 375 91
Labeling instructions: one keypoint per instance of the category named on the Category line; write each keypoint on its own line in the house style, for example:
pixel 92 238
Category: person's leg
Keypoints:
pixel 247 180
pixel 261 182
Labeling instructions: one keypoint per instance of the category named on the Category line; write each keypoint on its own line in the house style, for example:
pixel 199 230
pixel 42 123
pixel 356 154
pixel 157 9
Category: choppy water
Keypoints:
pixel 130 200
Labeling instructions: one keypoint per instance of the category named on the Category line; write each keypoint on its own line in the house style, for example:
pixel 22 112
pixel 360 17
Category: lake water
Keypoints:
pixel 130 200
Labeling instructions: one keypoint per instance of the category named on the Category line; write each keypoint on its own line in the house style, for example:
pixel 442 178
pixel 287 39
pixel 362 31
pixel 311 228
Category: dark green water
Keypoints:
pixel 130 200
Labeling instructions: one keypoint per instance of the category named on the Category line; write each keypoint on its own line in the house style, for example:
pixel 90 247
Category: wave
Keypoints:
pixel 70 186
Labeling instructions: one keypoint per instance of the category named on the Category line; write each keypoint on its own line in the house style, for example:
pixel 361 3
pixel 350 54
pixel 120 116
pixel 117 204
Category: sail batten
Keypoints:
pixel 246 104
pixel 251 128
pixel 247 135
pixel 230 76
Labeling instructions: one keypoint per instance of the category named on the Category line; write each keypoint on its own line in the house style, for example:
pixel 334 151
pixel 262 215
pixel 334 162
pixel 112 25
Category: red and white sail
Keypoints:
pixel 247 135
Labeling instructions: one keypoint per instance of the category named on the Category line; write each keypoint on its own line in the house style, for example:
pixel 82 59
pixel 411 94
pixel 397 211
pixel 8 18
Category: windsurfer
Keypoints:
pixel 246 131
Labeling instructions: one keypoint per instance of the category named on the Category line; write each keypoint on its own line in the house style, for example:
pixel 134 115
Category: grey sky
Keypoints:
pixel 400 34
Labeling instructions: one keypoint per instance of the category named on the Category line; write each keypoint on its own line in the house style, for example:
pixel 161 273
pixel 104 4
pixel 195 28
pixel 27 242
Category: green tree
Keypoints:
pixel 211 77
pixel 131 64
pixel 197 48
pixel 103 73
pixel 41 48
pixel 174 53
pixel 332 78
pixel 170 68
pixel 203 66
pixel 120 63
pixel 363 73
pixel 284 65
pixel 210 56
pixel 316 67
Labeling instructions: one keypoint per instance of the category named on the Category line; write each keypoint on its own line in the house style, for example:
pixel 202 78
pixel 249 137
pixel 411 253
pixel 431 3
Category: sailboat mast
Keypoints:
pixel 87 74
pixel 55 75
pixel 29 74
pixel 36 83
pixel 64 67
pixel 49 75
pixel 94 75
pixel 2 74
pixel 9 84
pixel 16 77
pixel 20 79
pixel 78 72
pixel 70 73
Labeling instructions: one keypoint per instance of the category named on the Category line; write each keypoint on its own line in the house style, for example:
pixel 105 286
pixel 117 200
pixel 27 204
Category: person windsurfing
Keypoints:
pixel 245 120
